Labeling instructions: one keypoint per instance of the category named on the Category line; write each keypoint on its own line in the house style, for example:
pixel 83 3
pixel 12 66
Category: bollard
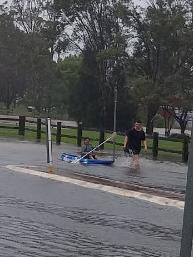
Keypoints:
pixel 79 134
pixel 155 145
pixel 101 138
pixel 58 133
pixel 39 124
pixel 21 131
pixel 49 146
pixel 185 150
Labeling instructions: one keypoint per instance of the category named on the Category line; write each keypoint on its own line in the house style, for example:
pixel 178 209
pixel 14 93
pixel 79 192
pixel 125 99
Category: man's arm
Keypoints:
pixel 125 142
pixel 145 144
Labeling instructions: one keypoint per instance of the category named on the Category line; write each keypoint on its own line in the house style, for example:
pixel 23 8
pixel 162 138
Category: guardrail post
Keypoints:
pixel 155 145
pixel 101 138
pixel 58 133
pixel 39 125
pixel 21 131
pixel 185 150
pixel 79 134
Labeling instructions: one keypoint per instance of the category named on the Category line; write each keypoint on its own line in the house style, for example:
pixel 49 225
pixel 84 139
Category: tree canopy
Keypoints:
pixel 69 56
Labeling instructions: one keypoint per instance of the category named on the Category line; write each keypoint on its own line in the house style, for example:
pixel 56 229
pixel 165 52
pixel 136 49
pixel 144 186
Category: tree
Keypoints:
pixel 163 48
pixel 37 20
pixel 42 77
pixel 180 108
pixel 97 30
pixel 66 88
pixel 78 94
pixel 39 17
pixel 12 83
pixel 83 93
pixel 166 111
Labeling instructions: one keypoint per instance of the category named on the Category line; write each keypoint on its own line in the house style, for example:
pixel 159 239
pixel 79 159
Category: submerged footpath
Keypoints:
pixel 162 178
pixel 155 177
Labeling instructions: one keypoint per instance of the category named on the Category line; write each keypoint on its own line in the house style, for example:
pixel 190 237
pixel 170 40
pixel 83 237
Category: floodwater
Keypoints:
pixel 162 175
pixel 43 218
pixel 46 218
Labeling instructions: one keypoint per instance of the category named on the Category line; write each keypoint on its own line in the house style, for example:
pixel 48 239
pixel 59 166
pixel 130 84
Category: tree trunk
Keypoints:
pixel 165 124
pixel 8 102
pixel 149 125
pixel 8 105
pixel 103 118
pixel 151 112
pixel 183 127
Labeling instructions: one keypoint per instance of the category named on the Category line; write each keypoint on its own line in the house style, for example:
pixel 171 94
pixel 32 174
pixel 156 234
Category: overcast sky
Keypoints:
pixel 140 2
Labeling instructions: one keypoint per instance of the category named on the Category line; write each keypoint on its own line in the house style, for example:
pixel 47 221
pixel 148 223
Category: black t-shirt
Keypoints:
pixel 134 139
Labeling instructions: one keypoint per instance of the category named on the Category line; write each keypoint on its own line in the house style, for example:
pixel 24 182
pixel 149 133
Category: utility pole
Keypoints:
pixel 187 230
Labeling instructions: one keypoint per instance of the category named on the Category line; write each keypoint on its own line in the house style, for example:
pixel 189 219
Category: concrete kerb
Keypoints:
pixel 136 187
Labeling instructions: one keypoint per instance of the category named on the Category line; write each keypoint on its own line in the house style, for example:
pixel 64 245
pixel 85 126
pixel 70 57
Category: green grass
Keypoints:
pixel 8 132
pixel 165 144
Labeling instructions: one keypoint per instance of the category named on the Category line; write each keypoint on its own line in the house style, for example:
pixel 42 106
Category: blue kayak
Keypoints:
pixel 71 157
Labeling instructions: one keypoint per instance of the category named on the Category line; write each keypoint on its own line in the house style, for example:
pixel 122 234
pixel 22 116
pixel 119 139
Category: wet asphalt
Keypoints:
pixel 40 217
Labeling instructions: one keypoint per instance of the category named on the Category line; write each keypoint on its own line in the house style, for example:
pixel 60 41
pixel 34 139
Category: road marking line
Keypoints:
pixel 110 189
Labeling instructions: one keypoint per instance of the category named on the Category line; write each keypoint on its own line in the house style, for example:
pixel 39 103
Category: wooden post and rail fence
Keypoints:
pixel 22 125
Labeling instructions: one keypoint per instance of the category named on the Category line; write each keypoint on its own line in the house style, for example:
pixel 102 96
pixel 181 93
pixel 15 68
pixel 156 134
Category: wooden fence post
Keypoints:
pixel 39 125
pixel 21 131
pixel 101 138
pixel 58 133
pixel 185 149
pixel 79 134
pixel 155 145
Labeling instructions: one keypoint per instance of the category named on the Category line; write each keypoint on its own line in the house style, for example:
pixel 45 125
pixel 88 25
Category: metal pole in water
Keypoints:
pixel 187 230
pixel 49 146
pixel 115 120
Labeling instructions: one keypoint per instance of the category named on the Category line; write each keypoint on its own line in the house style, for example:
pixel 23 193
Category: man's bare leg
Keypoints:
pixel 135 161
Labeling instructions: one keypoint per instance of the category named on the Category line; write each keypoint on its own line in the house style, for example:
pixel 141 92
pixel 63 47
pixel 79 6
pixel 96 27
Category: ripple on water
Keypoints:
pixel 24 237
pixel 27 238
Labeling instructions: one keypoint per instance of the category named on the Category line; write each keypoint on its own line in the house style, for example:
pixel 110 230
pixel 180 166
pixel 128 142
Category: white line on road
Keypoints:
pixel 110 189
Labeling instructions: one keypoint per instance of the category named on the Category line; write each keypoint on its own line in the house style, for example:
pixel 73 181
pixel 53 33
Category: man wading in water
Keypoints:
pixel 132 143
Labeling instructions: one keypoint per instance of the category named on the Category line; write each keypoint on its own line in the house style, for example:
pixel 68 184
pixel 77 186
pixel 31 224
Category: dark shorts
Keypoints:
pixel 136 151
pixel 133 151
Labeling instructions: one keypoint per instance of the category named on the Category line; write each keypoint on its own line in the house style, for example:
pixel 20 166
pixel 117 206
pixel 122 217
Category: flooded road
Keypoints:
pixel 41 217
pixel 164 175
pixel 45 218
